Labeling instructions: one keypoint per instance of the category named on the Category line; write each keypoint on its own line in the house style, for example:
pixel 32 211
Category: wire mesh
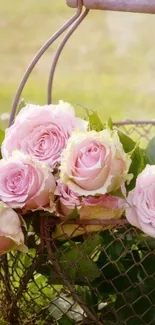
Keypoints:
pixel 99 275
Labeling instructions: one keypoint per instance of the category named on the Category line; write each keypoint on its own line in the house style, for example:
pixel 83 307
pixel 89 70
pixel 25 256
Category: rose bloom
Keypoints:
pixel 104 207
pixel 11 235
pixel 98 207
pixel 42 131
pixel 94 163
pixel 25 182
pixel 141 200
pixel 67 200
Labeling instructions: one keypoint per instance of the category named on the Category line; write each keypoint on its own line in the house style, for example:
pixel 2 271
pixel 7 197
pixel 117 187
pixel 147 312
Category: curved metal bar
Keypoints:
pixel 39 55
pixel 57 55
pixel 96 222
pixel 141 6
pixel 137 122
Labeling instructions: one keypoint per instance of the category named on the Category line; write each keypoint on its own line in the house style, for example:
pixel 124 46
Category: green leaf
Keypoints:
pixel 127 142
pixel 87 270
pixel 115 250
pixel 110 124
pixel 91 244
pixel 68 262
pixel 107 237
pixel 65 321
pixel 131 153
pixel 95 122
pixel 74 214
pixel 2 136
pixel 150 152
pixel 78 265
pixel 137 165
pixel 118 194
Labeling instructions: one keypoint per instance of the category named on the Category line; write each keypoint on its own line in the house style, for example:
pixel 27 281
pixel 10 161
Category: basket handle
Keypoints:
pixel 37 57
pixel 139 6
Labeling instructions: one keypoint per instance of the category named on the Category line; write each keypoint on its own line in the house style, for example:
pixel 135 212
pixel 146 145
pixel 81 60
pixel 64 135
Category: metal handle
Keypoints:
pixel 39 55
pixel 139 6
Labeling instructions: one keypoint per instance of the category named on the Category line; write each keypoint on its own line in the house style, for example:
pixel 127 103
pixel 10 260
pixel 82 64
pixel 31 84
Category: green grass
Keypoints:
pixel 108 65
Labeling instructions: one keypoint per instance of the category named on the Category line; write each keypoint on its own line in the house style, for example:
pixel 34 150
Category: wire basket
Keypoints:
pixel 102 277
pixel 72 275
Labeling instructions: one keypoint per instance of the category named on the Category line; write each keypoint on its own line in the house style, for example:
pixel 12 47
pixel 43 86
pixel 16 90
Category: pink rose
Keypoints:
pixel 97 207
pixel 67 199
pixel 42 131
pixel 141 210
pixel 25 182
pixel 11 235
pixel 94 163
pixel 104 207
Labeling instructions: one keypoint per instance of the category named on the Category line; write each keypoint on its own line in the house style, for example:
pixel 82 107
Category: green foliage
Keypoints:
pixel 95 122
pixel 137 165
pixel 110 267
pixel 110 124
pixel 92 243
pixel 150 152
pixel 74 214
pixel 66 321
pixel 76 261
pixel 135 302
pixel 118 193
pixel 127 142
pixel 137 155
pixel 2 135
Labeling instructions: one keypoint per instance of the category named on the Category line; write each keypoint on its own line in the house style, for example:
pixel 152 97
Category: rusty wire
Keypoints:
pixel 44 303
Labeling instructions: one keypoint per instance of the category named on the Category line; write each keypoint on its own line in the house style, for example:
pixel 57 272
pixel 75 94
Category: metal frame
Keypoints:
pixel 141 6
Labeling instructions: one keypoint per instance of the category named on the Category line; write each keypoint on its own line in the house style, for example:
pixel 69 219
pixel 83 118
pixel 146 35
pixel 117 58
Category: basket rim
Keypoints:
pixel 132 122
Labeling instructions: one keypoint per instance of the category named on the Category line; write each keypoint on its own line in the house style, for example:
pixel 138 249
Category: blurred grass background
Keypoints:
pixel 108 65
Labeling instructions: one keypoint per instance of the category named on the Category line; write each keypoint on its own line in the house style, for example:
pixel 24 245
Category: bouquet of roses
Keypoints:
pixel 73 168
